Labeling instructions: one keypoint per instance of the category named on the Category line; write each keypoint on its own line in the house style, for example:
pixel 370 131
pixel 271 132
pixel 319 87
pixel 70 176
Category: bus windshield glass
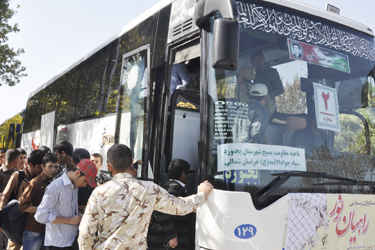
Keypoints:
pixel 302 99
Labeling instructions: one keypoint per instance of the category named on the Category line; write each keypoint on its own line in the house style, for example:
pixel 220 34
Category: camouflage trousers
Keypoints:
pixel 3 241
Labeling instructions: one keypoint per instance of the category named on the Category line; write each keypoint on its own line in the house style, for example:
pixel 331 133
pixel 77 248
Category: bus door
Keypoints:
pixel 182 130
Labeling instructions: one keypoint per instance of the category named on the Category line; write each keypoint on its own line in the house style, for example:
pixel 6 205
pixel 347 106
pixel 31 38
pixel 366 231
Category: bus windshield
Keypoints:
pixel 302 99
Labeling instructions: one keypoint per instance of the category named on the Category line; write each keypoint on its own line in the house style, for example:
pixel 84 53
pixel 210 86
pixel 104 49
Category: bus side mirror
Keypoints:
pixel 225 44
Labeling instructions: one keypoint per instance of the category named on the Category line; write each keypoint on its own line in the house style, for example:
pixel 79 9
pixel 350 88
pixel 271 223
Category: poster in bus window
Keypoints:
pixel 319 56
pixel 326 108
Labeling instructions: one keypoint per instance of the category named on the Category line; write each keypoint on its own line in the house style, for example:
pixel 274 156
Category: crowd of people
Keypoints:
pixel 66 207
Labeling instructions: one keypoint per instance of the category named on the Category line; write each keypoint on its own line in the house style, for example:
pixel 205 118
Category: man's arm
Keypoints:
pixel 46 211
pixel 164 224
pixel 75 220
pixel 169 204
pixel 25 199
pixel 10 187
pixel 88 229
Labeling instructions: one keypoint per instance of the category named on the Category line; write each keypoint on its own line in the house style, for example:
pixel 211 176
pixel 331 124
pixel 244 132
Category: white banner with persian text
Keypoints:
pixel 249 156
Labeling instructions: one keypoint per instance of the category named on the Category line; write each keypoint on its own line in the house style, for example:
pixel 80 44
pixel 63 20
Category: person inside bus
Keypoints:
pixel 267 75
pixel 280 126
pixel 261 126
pixel 255 71
pixel 258 113
pixel 169 231
pixel 180 77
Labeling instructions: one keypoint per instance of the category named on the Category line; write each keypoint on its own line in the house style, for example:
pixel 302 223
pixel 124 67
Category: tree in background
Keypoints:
pixel 11 69
pixel 293 100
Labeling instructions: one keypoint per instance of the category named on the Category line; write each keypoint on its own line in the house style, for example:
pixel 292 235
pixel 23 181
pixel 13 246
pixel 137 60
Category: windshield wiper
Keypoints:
pixel 341 180
pixel 263 194
pixel 313 175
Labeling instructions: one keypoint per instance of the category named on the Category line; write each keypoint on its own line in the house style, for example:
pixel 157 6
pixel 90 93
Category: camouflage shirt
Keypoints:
pixel 118 213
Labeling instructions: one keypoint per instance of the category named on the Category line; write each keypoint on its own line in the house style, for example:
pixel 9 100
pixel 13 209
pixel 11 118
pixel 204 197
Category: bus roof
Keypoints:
pixel 163 3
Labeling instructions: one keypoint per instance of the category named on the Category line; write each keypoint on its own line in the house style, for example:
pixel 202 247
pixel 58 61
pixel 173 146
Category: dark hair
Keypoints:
pixel 120 156
pixel 2 150
pixel 177 167
pixel 64 146
pixel 45 149
pixel 79 154
pixel 11 155
pixel 36 157
pixel 97 155
pixel 70 167
pixel 49 157
pixel 22 151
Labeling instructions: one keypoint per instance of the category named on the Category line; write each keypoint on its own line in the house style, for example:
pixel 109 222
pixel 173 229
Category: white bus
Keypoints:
pixel 270 100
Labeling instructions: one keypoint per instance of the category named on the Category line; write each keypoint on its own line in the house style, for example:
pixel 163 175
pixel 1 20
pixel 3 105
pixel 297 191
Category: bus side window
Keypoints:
pixel 131 114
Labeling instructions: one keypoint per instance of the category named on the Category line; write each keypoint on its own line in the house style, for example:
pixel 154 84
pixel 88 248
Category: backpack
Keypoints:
pixel 12 221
